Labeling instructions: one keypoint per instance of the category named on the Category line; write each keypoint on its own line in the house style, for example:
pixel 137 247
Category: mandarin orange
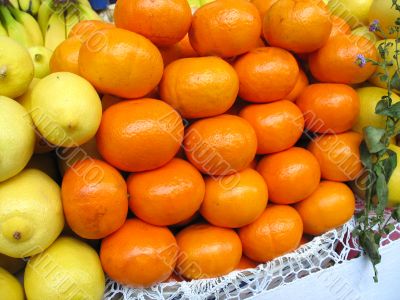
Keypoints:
pixel 164 22
pixel 168 195
pixel 65 56
pixel 139 254
pixel 225 28
pixel 221 145
pixel 301 26
pixel 246 263
pixel 87 29
pixel 291 175
pixel 200 87
pixel 301 83
pixel 339 26
pixel 336 61
pixel 338 155
pixel 263 6
pixel 331 205
pixel 236 200
pixel 329 107
pixel 266 74
pixel 182 49
pixel 207 251
pixel 95 199
pixel 278 125
pixel 121 63
pixel 276 232
pixel 139 135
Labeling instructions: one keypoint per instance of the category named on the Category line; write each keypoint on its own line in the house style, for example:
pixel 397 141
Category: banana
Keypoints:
pixel 15 30
pixel 87 13
pixel 24 5
pixel 30 24
pixel 55 33
pixel 71 18
pixel 46 9
pixel 14 3
pixel 30 6
pixel 3 31
pixel 35 7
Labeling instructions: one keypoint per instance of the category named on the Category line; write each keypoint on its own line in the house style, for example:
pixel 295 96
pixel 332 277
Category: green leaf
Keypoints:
pixel 390 111
pixel 373 139
pixel 396 214
pixel 377 238
pixel 391 128
pixel 389 164
pixel 382 50
pixel 395 81
pixel 383 78
pixel 388 228
pixel 382 105
pixel 356 232
pixel 381 191
pixel 371 248
pixel 365 156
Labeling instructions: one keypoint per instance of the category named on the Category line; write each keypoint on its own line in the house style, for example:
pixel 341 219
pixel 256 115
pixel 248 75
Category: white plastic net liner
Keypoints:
pixel 322 252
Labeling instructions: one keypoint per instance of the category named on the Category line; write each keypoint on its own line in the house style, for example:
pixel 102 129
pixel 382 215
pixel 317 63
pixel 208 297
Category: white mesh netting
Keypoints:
pixel 331 248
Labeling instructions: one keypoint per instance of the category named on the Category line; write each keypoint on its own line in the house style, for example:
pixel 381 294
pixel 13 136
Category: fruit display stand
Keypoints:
pixel 228 150
pixel 314 264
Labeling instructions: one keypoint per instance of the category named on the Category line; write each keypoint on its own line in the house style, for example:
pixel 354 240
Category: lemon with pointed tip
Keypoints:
pixel 10 288
pixel 68 269
pixel 17 138
pixel 66 109
pixel 31 214
pixel 16 68
pixel 41 60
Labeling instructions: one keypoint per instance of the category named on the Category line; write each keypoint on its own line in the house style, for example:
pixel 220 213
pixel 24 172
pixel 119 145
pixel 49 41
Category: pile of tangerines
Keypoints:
pixel 213 137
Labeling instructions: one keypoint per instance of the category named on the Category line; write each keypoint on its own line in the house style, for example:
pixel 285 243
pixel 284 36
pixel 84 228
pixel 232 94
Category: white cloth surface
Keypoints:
pixel 351 280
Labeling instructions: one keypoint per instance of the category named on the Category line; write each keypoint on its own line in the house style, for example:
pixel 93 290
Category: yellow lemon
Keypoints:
pixel 41 145
pixel 354 12
pixel 66 109
pixel 17 138
pixel 10 287
pixel 31 214
pixel 16 68
pixel 369 97
pixel 41 60
pixel 68 269
pixel 386 14
pixel 364 32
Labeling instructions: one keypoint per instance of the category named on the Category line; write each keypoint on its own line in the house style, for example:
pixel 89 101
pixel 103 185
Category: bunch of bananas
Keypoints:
pixel 20 25
pixel 42 22
pixel 57 17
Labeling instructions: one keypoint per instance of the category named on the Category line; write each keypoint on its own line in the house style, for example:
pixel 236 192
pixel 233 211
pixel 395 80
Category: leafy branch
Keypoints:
pixel 378 159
